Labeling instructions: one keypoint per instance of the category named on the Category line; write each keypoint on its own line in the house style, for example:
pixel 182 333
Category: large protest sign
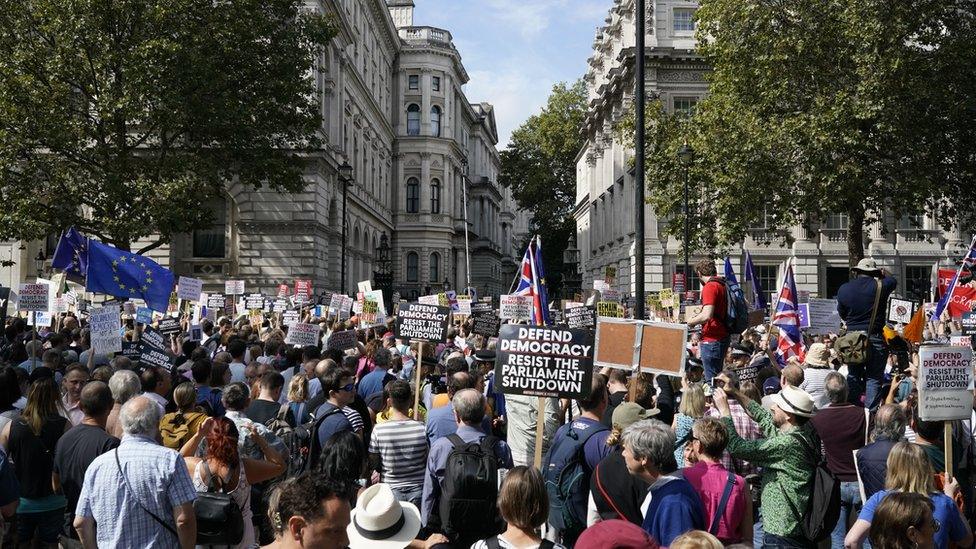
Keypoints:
pixel 486 323
pixel 234 287
pixel 131 350
pixel 105 325
pixel 154 357
pixel 301 334
pixel 656 347
pixel 581 318
pixel 189 289
pixel 515 307
pixel 34 297
pixel 968 323
pixel 945 383
pixel 280 305
pixel 169 325
pixel 40 319
pixel 609 309
pixel 342 340
pixel 823 316
pixel 417 322
pixel 216 301
pixel 303 291
pixel 544 362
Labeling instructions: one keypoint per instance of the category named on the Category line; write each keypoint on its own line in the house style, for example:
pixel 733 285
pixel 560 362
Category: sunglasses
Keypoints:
pixel 348 388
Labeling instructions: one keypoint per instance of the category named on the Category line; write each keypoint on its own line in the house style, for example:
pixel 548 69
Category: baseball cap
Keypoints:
pixel 615 534
pixel 771 385
pixel 628 413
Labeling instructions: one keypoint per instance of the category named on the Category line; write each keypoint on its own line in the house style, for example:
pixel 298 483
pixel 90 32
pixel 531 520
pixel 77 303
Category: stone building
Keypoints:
pixel 421 152
pixel 604 209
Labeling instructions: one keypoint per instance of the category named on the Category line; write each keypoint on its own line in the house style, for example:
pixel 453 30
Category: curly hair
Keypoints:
pixel 222 442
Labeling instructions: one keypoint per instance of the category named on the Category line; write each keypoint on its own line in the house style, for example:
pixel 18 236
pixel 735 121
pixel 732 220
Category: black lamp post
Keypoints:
pixel 686 155
pixel 345 177
pixel 447 284
pixel 571 275
pixel 383 277
pixel 39 263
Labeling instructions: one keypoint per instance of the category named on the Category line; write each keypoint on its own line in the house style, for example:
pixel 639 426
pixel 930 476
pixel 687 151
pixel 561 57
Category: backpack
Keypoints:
pixel 823 507
pixel 736 319
pixel 470 489
pixel 289 437
pixel 304 445
pixel 219 518
pixel 567 479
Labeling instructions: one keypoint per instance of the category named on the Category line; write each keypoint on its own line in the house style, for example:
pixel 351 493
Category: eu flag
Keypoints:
pixel 127 275
pixel 71 255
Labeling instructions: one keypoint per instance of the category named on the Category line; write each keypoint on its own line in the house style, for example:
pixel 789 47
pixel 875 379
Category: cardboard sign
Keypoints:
pixel 216 301
pixel 234 287
pixel 153 338
pixel 945 383
pixel 155 357
pixel 429 300
pixel 106 326
pixel 342 340
pixel 656 347
pixel 303 291
pixel 282 290
pixel 968 323
pixel 280 305
pixel 290 318
pixel 254 302
pixel 486 324
pixel 581 318
pixel 823 316
pixel 609 309
pixel 418 322
pixel 301 334
pixel 196 332
pixel 365 286
pixel 189 289
pixel 544 362
pixel 34 297
pixel 900 311
pixel 515 307
pixel 169 325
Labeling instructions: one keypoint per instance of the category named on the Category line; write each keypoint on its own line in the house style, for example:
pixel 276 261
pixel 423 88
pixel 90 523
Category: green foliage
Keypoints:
pixel 539 165
pixel 817 108
pixel 125 117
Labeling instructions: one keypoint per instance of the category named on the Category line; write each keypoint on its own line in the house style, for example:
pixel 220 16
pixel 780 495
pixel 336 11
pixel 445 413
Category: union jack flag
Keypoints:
pixel 967 262
pixel 532 282
pixel 787 319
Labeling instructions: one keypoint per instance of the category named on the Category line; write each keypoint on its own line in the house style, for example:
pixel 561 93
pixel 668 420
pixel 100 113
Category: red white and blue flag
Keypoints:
pixel 967 263
pixel 532 282
pixel 787 319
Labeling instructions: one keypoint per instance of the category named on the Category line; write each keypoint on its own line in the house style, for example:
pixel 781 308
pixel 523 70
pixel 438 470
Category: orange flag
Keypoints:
pixel 913 330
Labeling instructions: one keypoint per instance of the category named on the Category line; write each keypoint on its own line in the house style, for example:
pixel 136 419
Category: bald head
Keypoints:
pixel 323 366
pixel 469 407
pixel 459 382
pixel 889 423
pixel 793 375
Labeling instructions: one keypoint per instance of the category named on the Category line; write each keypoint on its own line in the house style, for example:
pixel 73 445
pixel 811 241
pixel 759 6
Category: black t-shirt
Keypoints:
pixel 263 411
pixel 76 450
pixel 33 455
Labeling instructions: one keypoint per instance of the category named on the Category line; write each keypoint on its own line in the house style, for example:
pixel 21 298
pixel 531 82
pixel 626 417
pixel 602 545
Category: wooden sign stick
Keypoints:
pixel 418 367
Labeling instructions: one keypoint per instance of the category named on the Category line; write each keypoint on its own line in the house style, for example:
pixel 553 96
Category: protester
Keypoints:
pixel 398 447
pixel 9 394
pixel 905 521
pixel 617 387
pixel 615 534
pixel 521 417
pixel 381 521
pixel 140 494
pixel 816 366
pixel 310 511
pixel 872 460
pixel 75 378
pixel 696 539
pixel 374 381
pixel 691 409
pixel 265 407
pixel 81 444
pixel 156 384
pixel 524 504
pixel 338 385
pixel 237 348
pixel 745 426
pixel 614 492
pixel 715 335
pixel 298 396
pixel 440 421
pixel 177 427
pixel 124 385
pixel 208 398
pixel 344 458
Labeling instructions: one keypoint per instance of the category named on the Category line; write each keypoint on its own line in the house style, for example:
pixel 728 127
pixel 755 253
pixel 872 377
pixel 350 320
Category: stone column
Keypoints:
pixel 424 183
pixel 806 266
pixel 425 103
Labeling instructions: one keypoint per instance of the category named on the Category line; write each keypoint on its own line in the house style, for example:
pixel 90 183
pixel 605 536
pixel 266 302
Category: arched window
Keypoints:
pixel 413 267
pixel 435 196
pixel 435 268
pixel 413 195
pixel 435 121
pixel 413 120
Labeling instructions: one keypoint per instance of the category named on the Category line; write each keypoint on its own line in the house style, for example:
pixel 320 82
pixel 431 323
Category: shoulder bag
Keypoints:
pixel 853 347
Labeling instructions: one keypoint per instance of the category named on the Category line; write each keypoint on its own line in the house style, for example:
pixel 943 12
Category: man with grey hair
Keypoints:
pixel 140 494
pixel 124 385
pixel 843 429
pixel 672 506
pixel 872 460
pixel 469 411
pixel 374 381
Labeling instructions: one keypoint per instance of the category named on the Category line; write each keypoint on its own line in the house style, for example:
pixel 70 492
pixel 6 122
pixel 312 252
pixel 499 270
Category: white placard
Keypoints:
pixel 189 289
pixel 34 297
pixel 289 318
pixel 823 316
pixel 60 305
pixel 303 335
pixel 106 327
pixel 900 311
pixel 365 286
pixel 464 305
pixel 41 319
pixel 515 307
pixel 945 383
pixel 234 287
pixel 429 300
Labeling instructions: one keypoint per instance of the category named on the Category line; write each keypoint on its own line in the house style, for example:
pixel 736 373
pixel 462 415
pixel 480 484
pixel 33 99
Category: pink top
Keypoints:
pixel 709 481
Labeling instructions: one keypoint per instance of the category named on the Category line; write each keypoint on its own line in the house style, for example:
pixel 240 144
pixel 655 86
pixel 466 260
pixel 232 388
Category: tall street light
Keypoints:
pixel 640 99
pixel 686 155
pixel 345 177
pixel 464 199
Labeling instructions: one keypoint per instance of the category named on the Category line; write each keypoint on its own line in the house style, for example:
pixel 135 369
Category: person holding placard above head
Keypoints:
pixel 715 335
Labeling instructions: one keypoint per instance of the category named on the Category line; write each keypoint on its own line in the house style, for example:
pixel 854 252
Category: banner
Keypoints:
pixel 581 318
pixel 544 362
pixel 303 335
pixel 106 326
pixel 417 322
pixel 189 288
pixel 35 297
pixel 945 383
pixel 515 307
pixel 342 340
pixel 963 299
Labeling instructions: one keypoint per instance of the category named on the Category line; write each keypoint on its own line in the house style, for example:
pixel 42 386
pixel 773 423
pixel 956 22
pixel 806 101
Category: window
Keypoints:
pixel 413 267
pixel 435 196
pixel 684 19
pixel 768 276
pixel 435 268
pixel 435 83
pixel 837 222
pixel 413 82
pixel 211 242
pixel 435 121
pixel 918 282
pixel 413 195
pixel 685 106
pixel 694 282
pixel 413 120
pixel 912 222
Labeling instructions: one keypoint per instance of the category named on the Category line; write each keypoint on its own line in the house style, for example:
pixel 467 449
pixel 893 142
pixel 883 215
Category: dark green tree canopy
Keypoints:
pixel 856 107
pixel 124 118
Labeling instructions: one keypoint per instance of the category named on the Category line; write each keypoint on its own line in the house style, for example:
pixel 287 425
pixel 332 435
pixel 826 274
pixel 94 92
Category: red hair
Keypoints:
pixel 222 442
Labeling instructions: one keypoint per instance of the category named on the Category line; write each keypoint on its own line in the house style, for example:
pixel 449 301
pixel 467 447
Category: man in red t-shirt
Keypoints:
pixel 715 336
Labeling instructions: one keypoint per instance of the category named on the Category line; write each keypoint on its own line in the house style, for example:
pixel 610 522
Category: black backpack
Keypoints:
pixel 219 519
pixel 568 479
pixel 304 445
pixel 470 489
pixel 823 507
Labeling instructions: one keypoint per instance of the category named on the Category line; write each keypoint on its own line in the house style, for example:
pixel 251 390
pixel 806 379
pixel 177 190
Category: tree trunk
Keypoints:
pixel 855 236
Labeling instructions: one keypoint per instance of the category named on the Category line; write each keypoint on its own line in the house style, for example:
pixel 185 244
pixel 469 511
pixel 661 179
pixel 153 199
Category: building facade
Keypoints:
pixel 604 209
pixel 424 166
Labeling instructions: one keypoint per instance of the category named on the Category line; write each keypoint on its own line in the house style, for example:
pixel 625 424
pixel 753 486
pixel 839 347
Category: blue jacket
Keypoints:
pixel 872 465
pixel 675 509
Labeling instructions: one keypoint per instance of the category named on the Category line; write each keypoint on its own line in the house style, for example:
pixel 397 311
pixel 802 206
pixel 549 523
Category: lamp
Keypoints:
pixel 346 178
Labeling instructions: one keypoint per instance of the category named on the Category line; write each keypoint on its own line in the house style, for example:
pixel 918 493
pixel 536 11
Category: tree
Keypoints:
pixel 125 118
pixel 856 107
pixel 539 165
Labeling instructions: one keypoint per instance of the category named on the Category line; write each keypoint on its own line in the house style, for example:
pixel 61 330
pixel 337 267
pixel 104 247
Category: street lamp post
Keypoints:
pixel 384 275
pixel 639 100
pixel 464 198
pixel 345 177
pixel 686 155
pixel 39 263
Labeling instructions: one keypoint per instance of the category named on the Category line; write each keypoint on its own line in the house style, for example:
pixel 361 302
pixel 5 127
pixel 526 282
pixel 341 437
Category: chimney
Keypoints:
pixel 402 12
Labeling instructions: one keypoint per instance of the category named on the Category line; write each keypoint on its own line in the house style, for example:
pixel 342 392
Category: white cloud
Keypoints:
pixel 515 92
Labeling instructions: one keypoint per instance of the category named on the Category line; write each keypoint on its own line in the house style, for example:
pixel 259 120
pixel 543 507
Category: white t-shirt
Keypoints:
pixel 505 544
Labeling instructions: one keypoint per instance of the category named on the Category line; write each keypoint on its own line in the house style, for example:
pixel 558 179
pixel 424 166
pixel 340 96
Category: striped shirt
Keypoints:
pixel 402 446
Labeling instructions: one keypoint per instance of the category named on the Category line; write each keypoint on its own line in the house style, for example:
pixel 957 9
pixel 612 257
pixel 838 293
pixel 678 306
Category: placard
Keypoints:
pixel 234 287
pixel 823 315
pixel 900 311
pixel 545 362
pixel 105 326
pixel 429 300
pixel 60 305
pixel 196 332
pixel 609 309
pixel 169 325
pixel 280 305
pixel 216 301
pixel 189 289
pixel 154 357
pixel 282 290
pixel 342 340
pixel 961 341
pixel 581 318
pixel 968 323
pixel 365 286
pixel 464 305
pixel 290 318
pixel 303 291
pixel 346 307
pixel 656 347
pixel 419 322
pixel 254 302
pixel 515 307
pixel 486 323
pixel 40 319
pixel 480 307
pixel 153 338
pixel 945 383
pixel 34 297
pixel 131 350
pixel 335 303
pixel 301 334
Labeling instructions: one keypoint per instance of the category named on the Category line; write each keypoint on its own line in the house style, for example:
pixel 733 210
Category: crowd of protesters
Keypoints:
pixel 245 441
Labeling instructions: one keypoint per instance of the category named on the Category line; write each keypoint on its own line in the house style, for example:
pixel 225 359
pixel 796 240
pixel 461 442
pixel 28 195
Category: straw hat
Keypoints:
pixel 818 355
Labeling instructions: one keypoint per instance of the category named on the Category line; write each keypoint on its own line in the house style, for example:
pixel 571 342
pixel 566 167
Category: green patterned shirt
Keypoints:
pixel 787 469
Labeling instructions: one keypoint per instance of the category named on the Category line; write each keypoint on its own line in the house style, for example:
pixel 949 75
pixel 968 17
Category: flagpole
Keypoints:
pixel 535 288
pixel 955 280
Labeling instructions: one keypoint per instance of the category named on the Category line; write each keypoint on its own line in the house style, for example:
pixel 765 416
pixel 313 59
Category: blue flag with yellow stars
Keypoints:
pixel 71 255
pixel 127 275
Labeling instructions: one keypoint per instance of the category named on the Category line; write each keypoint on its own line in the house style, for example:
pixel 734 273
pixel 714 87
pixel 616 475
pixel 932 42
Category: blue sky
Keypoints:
pixel 515 50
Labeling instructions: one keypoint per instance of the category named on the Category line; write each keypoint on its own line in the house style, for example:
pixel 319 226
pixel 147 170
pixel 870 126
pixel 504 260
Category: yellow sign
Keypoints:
pixel 610 309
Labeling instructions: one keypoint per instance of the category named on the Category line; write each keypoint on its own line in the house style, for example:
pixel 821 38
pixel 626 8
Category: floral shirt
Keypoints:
pixel 787 468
